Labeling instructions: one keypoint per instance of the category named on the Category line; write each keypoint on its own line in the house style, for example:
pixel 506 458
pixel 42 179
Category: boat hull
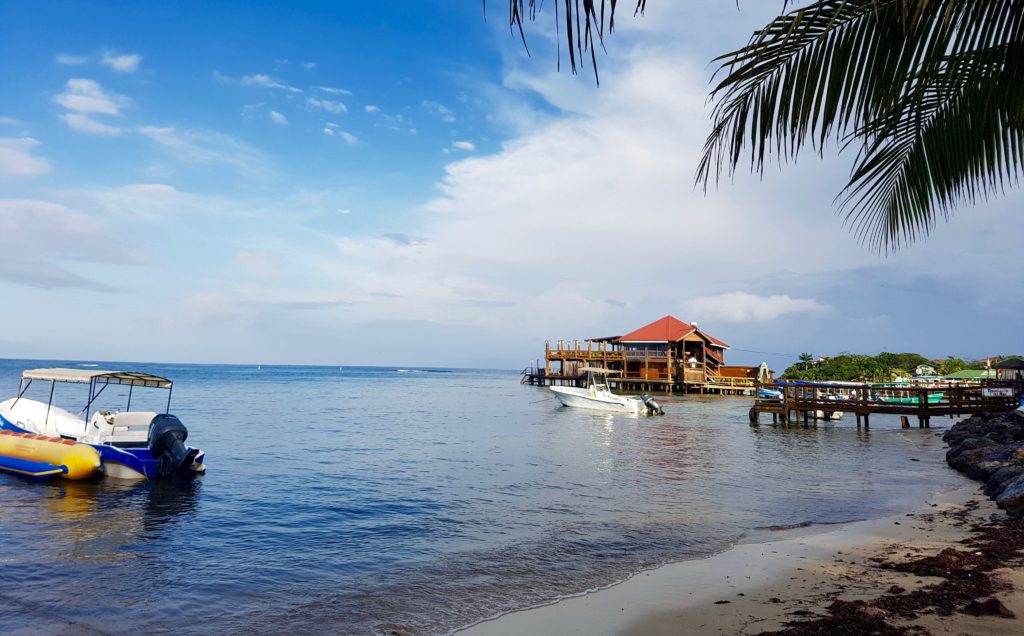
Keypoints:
pixel 583 399
pixel 828 415
pixel 117 463
pixel 933 398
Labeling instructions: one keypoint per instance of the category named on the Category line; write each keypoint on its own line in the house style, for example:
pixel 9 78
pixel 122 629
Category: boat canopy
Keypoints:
pixel 88 376
pixel 600 370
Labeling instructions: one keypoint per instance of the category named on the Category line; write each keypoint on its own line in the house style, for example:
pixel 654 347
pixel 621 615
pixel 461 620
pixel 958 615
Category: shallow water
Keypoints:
pixel 344 499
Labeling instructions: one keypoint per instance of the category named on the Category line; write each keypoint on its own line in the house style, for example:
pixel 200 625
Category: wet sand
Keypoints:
pixel 903 574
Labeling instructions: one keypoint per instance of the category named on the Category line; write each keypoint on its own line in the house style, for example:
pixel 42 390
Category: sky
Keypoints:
pixel 401 183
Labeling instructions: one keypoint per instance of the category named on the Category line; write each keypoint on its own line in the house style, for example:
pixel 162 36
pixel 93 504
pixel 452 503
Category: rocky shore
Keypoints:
pixel 990 448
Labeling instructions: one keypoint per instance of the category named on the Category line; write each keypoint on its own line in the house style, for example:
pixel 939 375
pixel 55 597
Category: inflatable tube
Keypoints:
pixel 28 468
pixel 75 461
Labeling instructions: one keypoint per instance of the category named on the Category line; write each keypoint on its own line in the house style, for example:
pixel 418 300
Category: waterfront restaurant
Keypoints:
pixel 666 355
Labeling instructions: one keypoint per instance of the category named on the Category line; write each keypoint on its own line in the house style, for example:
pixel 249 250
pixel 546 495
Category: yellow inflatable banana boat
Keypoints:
pixel 41 457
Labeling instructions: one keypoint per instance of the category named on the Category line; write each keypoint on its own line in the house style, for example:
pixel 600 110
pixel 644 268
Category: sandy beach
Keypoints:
pixel 914 573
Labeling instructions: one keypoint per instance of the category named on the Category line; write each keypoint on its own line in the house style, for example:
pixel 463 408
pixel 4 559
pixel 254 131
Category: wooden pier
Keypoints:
pixel 812 401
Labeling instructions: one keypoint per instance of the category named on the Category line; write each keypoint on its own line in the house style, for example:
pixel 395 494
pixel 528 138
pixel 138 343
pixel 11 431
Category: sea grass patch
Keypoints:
pixel 967 584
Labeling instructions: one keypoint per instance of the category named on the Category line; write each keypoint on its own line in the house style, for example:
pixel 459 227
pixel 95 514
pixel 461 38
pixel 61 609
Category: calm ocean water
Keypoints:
pixel 340 500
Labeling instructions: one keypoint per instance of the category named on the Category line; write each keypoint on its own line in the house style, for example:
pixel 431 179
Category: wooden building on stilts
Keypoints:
pixel 667 355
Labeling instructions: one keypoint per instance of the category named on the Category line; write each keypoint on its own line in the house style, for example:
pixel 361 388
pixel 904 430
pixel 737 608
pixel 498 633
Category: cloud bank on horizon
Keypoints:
pixel 455 209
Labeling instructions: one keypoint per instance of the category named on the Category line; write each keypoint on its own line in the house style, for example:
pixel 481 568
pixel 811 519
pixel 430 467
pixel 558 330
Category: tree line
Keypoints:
pixel 883 367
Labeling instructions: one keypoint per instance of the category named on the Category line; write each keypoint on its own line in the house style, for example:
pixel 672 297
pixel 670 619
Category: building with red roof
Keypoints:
pixel 667 354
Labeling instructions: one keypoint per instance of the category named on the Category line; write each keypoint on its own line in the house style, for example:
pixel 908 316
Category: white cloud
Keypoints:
pixel 613 173
pixel 278 118
pixel 87 96
pixel 159 189
pixel 260 264
pixel 370 108
pixel 327 104
pixel 203 309
pixel 41 233
pixel 86 124
pixel 439 110
pixel 309 66
pixel 17 160
pixel 744 307
pixel 71 60
pixel 464 145
pixel 332 129
pixel 9 121
pixel 128 63
pixel 330 90
pixel 209 147
pixel 265 81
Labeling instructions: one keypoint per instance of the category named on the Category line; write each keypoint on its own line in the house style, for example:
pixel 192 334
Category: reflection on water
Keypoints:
pixel 461 495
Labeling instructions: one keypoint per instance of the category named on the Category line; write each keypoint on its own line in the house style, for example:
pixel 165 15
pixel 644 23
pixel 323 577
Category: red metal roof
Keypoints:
pixel 667 329
pixel 715 340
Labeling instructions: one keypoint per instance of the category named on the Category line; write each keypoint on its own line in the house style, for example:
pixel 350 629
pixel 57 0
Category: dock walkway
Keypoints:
pixel 813 401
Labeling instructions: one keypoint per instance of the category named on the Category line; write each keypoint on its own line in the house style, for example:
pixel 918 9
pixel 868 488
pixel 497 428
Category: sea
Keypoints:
pixel 367 500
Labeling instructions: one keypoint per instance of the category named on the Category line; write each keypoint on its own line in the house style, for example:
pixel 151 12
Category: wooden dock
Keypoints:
pixel 812 401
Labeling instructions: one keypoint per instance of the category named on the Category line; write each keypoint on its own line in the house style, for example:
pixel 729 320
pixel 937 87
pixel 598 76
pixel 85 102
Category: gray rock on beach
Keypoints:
pixel 990 448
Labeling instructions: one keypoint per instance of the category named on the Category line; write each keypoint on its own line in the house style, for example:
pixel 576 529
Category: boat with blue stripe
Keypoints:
pixel 130 444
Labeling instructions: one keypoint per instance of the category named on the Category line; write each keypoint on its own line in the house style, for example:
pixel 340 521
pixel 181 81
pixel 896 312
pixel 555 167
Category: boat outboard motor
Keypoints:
pixel 652 406
pixel 166 444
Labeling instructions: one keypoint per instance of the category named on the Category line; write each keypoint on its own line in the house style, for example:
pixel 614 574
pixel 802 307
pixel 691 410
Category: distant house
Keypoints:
pixel 924 370
pixel 667 354
pixel 1009 369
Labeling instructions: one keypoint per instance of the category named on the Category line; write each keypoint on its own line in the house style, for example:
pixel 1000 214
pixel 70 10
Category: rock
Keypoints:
pixel 970 462
pixel 988 468
pixel 990 448
pixel 973 443
pixel 1011 499
pixel 999 479
pixel 989 607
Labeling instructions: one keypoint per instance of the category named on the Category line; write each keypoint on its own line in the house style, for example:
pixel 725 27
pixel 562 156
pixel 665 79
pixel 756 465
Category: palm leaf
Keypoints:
pixel 583 23
pixel 930 90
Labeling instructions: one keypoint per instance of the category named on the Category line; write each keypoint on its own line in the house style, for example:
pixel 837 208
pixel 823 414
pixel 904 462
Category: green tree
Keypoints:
pixel 951 365
pixel 847 366
pixel 929 93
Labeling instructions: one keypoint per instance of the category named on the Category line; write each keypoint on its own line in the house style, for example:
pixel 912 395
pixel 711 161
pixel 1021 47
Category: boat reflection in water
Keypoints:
pixel 100 518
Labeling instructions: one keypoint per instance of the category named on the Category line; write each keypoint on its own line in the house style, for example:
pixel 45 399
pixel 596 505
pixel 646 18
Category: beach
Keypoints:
pixel 854 569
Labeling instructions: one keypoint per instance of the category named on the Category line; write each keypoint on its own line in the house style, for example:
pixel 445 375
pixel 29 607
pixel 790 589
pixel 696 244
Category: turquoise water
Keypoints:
pixel 342 500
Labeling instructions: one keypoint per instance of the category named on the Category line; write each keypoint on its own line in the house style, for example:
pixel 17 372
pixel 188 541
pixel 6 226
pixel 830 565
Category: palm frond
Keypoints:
pixel 583 23
pixel 960 143
pixel 931 91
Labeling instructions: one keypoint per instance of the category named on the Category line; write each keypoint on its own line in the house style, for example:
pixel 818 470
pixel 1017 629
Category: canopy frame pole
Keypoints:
pixel 46 420
pixel 93 396
pixel 130 387
pixel 22 387
pixel 168 409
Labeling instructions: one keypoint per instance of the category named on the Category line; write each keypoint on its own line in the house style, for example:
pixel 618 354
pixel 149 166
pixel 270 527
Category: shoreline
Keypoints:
pixel 765 586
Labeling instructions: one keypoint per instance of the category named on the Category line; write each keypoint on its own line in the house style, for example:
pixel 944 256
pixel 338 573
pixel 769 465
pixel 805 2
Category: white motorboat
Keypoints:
pixel 131 444
pixel 598 397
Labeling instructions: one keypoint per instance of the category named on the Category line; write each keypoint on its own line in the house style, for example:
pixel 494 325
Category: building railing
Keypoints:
pixel 583 353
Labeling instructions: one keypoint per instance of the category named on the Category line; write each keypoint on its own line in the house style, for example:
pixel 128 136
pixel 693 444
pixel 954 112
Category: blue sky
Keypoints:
pixel 399 183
